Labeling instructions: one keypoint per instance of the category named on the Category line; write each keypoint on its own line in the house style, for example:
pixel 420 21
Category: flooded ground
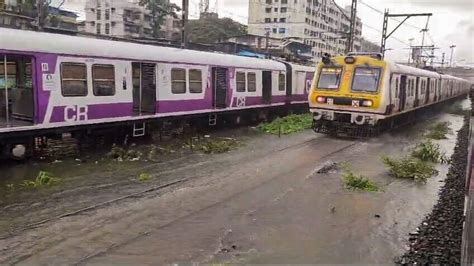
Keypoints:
pixel 261 203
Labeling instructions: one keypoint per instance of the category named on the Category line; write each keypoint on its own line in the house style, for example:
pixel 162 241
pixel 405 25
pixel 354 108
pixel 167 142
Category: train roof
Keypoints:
pixel 31 41
pixel 420 72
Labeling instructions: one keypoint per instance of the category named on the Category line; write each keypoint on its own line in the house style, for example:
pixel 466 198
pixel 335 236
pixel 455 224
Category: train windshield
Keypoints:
pixel 366 79
pixel 330 78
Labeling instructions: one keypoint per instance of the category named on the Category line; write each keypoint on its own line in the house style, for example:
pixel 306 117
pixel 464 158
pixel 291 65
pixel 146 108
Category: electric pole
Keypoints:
pixel 411 50
pixel 350 41
pixel 442 60
pixel 185 6
pixel 452 53
pixel 386 16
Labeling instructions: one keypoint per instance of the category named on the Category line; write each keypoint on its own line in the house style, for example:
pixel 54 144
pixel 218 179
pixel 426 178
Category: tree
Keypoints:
pixel 212 30
pixel 159 10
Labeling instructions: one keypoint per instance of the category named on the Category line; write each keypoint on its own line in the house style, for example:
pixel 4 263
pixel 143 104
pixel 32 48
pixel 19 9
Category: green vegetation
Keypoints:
pixel 144 177
pixel 213 146
pixel 211 30
pixel 439 131
pixel 429 152
pixel 410 167
pixel 358 182
pixel 159 9
pixel 120 154
pixel 288 124
pixel 42 179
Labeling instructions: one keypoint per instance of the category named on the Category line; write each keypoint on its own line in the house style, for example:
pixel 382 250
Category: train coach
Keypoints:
pixel 53 84
pixel 361 94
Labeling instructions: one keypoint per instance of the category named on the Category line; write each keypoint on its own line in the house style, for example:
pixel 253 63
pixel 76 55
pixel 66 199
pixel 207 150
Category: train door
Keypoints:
pixel 417 90
pixel 144 88
pixel 403 93
pixel 219 80
pixel 16 90
pixel 267 87
pixel 428 91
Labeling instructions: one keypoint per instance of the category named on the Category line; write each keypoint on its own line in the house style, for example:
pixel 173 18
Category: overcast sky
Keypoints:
pixel 452 23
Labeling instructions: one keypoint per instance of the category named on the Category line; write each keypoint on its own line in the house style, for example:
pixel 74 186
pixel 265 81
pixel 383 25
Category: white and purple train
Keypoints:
pixel 53 84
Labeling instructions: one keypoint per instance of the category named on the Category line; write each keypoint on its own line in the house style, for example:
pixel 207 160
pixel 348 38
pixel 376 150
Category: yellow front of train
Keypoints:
pixel 348 95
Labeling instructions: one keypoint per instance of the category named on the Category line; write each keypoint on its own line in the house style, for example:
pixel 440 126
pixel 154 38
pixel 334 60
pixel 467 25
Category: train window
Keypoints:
pixel 330 78
pixel 73 79
pixel 103 80
pixel 195 81
pixel 240 81
pixel 366 79
pixel 282 82
pixel 11 75
pixel 396 88
pixel 251 82
pixel 178 80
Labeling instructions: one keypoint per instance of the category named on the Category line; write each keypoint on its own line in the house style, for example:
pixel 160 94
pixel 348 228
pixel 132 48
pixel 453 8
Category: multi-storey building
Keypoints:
pixel 124 18
pixel 322 24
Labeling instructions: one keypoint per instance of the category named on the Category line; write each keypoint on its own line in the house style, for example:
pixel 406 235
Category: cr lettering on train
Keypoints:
pixel 76 113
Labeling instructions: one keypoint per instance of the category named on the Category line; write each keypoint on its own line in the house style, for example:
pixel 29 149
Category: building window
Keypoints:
pixel 73 79
pixel 283 10
pixel 251 82
pixel 107 14
pixel 275 9
pixel 195 81
pixel 107 28
pixel 281 30
pixel 103 80
pixel 99 14
pixel 275 30
pixel 268 1
pixel 98 28
pixel 240 82
pixel 283 20
pixel 282 82
pixel 178 80
pixel 284 2
pixel 268 10
pixel 268 20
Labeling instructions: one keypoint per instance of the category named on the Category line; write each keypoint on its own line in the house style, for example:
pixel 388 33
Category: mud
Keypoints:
pixel 262 203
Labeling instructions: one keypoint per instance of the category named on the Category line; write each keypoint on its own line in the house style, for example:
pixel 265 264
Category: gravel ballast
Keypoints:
pixel 439 237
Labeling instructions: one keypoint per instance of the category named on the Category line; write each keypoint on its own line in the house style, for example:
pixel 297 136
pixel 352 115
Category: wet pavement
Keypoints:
pixel 262 203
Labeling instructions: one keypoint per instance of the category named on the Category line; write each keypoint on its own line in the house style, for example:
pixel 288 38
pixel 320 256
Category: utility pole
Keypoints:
pixel 267 42
pixel 442 60
pixel 184 19
pixel 452 53
pixel 350 41
pixel 39 16
pixel 386 16
pixel 411 50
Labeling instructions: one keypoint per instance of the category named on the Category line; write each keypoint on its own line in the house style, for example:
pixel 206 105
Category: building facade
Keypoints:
pixel 322 24
pixel 124 18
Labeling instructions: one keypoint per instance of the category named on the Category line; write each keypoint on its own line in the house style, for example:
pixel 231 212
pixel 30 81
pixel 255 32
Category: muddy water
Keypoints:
pixel 263 203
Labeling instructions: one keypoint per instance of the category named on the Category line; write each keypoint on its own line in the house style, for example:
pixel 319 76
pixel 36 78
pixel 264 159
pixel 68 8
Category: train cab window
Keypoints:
pixel 240 82
pixel 330 78
pixel 251 82
pixel 73 79
pixel 103 80
pixel 366 79
pixel 195 81
pixel 282 82
pixel 178 80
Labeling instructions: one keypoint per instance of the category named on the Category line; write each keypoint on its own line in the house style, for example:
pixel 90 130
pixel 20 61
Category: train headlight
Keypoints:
pixel 321 99
pixel 367 103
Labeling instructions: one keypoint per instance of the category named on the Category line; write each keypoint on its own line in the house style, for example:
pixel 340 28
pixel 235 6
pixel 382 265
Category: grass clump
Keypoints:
pixel 214 146
pixel 410 168
pixel 429 152
pixel 42 179
pixel 359 182
pixel 144 177
pixel 120 154
pixel 288 124
pixel 439 131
